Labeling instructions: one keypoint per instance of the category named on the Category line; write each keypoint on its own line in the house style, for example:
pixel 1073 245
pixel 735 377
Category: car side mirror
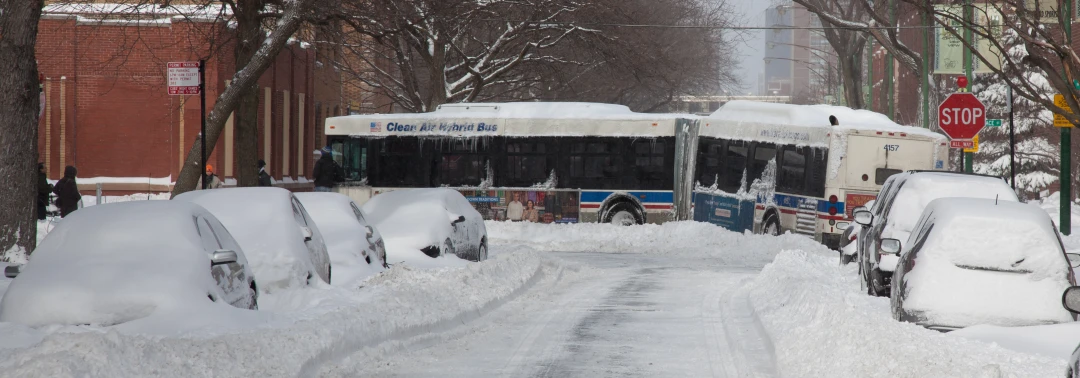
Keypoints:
pixel 222 257
pixel 842 226
pixel 890 246
pixel 307 233
pixel 1071 299
pixel 12 271
pixel 858 209
pixel 1074 259
pixel 460 218
pixel 864 217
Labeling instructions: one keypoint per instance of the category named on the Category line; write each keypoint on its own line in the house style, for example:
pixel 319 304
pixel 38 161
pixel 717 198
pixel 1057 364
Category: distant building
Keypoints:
pixel 799 62
pixel 107 110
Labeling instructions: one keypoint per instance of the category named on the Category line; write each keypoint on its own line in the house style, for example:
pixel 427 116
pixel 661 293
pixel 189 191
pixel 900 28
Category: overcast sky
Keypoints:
pixel 752 50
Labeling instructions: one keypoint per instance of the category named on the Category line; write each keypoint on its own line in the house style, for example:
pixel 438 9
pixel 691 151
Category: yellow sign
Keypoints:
pixel 1060 120
pixel 976 148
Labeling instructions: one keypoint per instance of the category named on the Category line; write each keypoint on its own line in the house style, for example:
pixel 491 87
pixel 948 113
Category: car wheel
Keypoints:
pixel 254 293
pixel 876 284
pixel 447 248
pixel 329 269
pixel 772 226
pixel 482 253
pixel 623 214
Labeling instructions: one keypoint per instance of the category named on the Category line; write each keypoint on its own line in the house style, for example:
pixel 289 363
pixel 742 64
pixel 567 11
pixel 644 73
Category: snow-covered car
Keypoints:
pixel 898 206
pixel 435 221
pixel 1071 300
pixel 349 238
pixel 848 246
pixel 111 264
pixel 282 243
pixel 974 261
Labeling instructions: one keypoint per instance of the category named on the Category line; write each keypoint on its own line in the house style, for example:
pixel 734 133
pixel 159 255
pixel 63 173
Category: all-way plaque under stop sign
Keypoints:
pixel 183 78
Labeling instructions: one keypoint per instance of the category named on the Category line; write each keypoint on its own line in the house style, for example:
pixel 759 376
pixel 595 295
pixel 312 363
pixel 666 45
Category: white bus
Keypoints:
pixel 578 162
pixel 544 162
pixel 776 168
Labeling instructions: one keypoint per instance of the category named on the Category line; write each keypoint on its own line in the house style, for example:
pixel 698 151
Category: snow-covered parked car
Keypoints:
pixel 1071 300
pixel 975 261
pixel 898 206
pixel 436 221
pixel 350 239
pixel 282 243
pixel 111 264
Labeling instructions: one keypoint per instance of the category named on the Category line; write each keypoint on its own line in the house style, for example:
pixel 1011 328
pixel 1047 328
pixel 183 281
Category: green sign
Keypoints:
pixel 993 122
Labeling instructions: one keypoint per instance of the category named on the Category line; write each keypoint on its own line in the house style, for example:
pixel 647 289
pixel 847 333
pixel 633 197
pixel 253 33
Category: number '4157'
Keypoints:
pixel 892 147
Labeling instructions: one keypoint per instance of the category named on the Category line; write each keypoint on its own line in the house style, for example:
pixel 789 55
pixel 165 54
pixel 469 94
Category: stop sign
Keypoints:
pixel 962 116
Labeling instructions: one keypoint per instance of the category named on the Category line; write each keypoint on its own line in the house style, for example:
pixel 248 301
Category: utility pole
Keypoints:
pixel 925 82
pixel 968 62
pixel 870 74
pixel 890 67
pixel 1066 141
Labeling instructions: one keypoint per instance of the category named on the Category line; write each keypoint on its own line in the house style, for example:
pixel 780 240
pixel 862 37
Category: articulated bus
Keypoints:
pixel 764 167
pixel 776 168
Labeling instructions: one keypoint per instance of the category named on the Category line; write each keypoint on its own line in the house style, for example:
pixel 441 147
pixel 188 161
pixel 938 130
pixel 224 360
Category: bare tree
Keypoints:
pixel 847 43
pixel 292 17
pixel 423 53
pixel 18 126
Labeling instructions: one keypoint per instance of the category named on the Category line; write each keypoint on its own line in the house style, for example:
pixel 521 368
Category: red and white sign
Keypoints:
pixel 962 116
pixel 184 78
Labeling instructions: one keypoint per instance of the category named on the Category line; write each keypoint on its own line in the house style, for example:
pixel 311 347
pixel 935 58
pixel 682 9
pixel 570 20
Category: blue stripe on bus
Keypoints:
pixel 644 197
pixel 790 201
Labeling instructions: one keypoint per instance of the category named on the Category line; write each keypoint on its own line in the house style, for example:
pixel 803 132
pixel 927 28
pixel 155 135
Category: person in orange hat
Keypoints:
pixel 211 178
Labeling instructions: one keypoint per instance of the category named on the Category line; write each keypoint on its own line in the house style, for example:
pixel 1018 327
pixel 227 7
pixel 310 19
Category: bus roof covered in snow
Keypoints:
pixel 510 119
pixel 800 124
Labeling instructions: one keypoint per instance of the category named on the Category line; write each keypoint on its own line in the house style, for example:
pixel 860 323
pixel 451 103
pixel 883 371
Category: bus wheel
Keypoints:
pixel 623 214
pixel 772 226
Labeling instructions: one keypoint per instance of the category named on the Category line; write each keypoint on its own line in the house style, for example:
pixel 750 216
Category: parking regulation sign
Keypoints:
pixel 183 78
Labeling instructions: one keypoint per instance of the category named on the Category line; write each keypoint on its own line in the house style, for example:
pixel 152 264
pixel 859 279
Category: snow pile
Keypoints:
pixel 1052 205
pixel 1055 340
pixel 297 332
pixel 822 325
pixel 686 238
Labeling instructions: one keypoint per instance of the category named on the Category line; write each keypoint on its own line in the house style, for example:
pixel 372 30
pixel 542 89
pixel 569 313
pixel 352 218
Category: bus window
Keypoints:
pixel 649 164
pixel 763 154
pixel 792 175
pixel 594 163
pixel 351 155
pixel 403 162
pixel 735 158
pixel 463 163
pixel 526 163
pixel 883 174
pixel 709 168
pixel 818 166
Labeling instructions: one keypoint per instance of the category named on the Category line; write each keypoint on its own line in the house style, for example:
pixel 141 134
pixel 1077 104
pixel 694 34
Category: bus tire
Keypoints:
pixel 624 214
pixel 771 225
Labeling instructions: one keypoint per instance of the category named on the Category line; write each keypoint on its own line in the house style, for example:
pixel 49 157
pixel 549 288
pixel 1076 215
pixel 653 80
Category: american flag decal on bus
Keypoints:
pixel 376 126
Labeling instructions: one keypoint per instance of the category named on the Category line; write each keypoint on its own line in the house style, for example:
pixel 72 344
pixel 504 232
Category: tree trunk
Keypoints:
pixel 437 77
pixel 19 107
pixel 851 69
pixel 230 98
pixel 249 31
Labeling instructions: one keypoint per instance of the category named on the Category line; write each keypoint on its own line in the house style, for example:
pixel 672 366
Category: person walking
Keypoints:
pixel 43 190
pixel 264 178
pixel 67 192
pixel 214 181
pixel 327 172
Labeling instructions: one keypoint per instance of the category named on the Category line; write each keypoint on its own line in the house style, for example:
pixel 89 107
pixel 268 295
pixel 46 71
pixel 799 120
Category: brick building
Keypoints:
pixel 107 111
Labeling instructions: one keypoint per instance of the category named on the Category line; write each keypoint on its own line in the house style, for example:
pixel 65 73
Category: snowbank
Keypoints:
pixel 297 331
pixel 694 238
pixel 823 325
pixel 1052 205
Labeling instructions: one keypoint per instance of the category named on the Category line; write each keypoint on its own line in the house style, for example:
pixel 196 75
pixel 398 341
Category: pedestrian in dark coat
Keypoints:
pixel 67 192
pixel 43 190
pixel 327 172
pixel 264 178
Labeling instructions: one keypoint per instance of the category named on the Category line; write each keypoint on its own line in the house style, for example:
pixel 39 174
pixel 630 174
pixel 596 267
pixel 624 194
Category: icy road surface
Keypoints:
pixel 632 315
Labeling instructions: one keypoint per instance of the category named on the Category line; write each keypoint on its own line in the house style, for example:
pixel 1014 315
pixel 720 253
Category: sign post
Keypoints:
pixel 961 116
pixel 189 78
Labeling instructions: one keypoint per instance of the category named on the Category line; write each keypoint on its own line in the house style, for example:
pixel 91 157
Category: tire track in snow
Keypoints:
pixel 751 351
pixel 411 335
